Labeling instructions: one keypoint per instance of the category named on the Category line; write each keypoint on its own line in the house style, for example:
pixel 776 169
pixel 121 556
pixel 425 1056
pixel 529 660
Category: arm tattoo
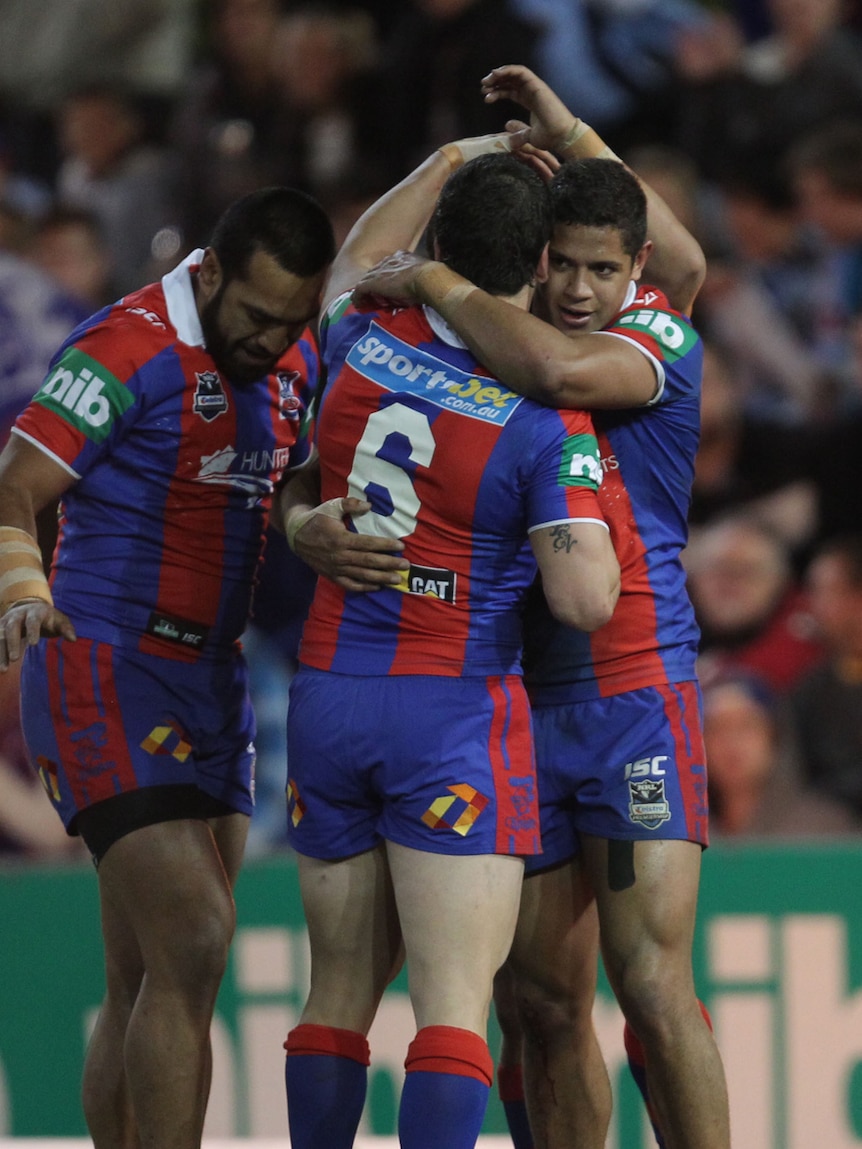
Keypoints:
pixel 562 538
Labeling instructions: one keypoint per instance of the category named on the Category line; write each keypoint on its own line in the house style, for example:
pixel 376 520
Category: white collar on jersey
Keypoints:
pixel 441 328
pixel 180 300
pixel 631 292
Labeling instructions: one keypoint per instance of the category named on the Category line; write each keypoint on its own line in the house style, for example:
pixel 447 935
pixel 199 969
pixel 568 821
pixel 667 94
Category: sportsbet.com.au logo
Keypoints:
pixel 85 394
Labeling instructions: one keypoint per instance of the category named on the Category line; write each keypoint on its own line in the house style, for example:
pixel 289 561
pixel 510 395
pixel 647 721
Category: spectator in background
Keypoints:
pixel 431 62
pixel 110 169
pixel 742 102
pixel 754 783
pixel 224 122
pixel 826 168
pixel 747 464
pixel 613 61
pixel 323 59
pixel 827 703
pixel 751 610
pixel 68 245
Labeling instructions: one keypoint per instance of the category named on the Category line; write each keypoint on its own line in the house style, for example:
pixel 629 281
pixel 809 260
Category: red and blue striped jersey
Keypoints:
pixel 458 467
pixel 648 461
pixel 174 467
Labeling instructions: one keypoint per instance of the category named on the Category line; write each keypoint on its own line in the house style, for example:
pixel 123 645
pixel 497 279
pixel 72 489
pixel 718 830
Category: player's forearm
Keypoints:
pixel 395 222
pixel 530 355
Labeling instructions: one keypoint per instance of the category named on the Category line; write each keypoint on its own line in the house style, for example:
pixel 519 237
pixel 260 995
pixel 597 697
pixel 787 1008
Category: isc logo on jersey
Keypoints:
pixel 84 393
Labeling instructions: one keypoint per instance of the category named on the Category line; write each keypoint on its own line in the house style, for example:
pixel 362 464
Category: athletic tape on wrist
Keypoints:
pixel 297 520
pixel 22 575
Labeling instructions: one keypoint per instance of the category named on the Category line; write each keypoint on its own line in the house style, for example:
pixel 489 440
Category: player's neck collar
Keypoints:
pixel 180 300
pixel 441 328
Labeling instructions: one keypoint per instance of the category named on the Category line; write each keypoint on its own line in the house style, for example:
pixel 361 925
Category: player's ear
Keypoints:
pixel 210 273
pixel 541 275
pixel 641 258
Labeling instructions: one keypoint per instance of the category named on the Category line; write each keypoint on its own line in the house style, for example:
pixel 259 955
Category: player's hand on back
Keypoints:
pixel 25 622
pixel 352 560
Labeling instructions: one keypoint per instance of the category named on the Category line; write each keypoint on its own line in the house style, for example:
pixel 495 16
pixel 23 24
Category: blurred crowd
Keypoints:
pixel 127 126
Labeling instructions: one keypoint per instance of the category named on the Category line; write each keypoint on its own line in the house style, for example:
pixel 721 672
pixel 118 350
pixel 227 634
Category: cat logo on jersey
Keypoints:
pixel 288 403
pixel 648 804
pixel 435 582
pixel 210 400
pixel 463 799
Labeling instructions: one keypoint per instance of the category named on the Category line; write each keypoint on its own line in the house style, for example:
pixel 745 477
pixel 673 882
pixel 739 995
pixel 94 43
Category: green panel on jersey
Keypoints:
pixel 675 337
pixel 84 393
pixel 580 465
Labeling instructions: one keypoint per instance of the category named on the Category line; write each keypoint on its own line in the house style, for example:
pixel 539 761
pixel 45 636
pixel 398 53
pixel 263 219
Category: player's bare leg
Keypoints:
pixel 458 918
pixel 555 960
pixel 169 937
pixel 647 897
pixel 354 934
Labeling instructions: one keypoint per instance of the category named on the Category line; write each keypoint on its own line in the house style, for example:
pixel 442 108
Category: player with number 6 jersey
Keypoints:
pixel 412 790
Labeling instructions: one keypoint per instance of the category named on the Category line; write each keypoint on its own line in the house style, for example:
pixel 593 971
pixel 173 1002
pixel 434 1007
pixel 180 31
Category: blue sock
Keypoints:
pixel 510 1086
pixel 325 1076
pixel 445 1095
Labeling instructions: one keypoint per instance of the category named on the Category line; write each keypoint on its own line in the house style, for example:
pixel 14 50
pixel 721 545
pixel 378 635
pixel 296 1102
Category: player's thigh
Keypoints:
pixel 646 893
pixel 555 948
pixel 230 833
pixel 354 934
pixel 458 915
pixel 164 885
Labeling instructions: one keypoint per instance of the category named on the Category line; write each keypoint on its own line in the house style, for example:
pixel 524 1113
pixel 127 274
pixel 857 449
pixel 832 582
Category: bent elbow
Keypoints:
pixel 587 612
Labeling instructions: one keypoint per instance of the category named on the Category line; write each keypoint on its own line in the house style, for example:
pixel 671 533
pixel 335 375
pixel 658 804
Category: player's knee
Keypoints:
pixel 553 1012
pixel 193 953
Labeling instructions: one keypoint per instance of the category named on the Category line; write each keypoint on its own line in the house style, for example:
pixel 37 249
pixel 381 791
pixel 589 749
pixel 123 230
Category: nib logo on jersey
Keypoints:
pixel 85 394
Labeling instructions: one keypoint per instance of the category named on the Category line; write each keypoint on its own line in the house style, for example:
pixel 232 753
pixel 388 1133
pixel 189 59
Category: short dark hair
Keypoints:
pixel 601 193
pixel 286 223
pixel 492 222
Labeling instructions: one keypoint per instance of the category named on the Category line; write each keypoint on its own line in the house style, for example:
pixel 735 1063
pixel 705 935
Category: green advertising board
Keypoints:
pixel 778 960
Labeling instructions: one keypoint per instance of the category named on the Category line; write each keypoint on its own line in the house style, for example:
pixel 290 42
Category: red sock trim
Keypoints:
pixel 510 1083
pixel 634 1049
pixel 706 1016
pixel 447 1049
pixel 323 1039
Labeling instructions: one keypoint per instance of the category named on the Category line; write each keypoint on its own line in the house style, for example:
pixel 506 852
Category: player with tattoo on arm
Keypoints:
pixel 622 776
pixel 411 790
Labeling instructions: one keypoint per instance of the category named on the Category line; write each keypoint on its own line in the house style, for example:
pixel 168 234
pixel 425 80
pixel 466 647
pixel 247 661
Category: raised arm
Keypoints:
pixel 676 263
pixel 397 220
